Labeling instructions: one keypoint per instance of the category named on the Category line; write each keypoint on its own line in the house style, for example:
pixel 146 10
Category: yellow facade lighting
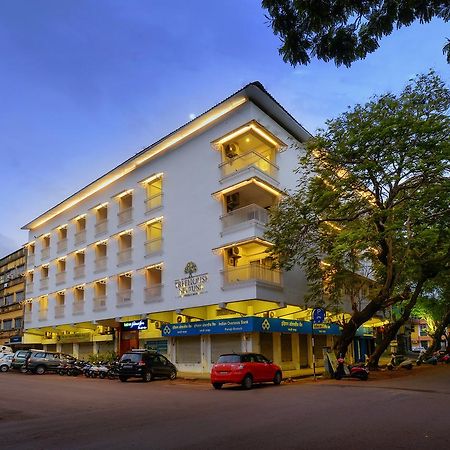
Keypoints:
pixel 80 286
pixel 158 266
pixel 156 219
pixel 62 292
pixel 81 250
pixel 122 233
pixel 102 205
pixel 126 274
pixel 103 242
pixel 154 177
pixel 63 258
pixel 124 193
pixel 81 216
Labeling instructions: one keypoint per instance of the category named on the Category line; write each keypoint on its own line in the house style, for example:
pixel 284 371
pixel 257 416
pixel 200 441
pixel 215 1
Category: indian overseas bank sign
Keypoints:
pixel 246 325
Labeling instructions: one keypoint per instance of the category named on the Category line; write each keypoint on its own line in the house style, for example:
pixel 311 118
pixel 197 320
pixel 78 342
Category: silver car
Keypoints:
pixel 5 362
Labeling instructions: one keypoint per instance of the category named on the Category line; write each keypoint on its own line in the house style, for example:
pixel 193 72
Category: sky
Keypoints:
pixel 85 84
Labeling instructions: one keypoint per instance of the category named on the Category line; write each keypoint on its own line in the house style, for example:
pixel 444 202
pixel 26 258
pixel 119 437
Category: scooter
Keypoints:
pixel 400 362
pixel 345 371
pixel 422 360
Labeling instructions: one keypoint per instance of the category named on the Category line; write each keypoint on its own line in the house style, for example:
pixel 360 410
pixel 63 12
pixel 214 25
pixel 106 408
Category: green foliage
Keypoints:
pixel 344 30
pixel 106 357
pixel 372 200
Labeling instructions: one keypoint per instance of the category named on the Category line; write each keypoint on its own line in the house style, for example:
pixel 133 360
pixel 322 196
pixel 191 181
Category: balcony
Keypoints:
pixel 79 271
pixel 246 215
pixel 153 294
pixel 153 246
pixel 45 253
pixel 153 202
pixel 125 216
pixel 101 227
pixel 252 273
pixel 43 314
pixel 61 246
pixel 80 237
pixel 124 256
pixel 246 161
pixel 124 298
pixel 101 263
pixel 29 287
pixel 61 277
pixel 59 311
pixel 44 284
pixel 30 259
pixel 78 307
pixel 100 303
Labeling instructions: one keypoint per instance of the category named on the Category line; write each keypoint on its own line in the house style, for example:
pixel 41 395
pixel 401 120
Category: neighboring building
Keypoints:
pixel 419 334
pixel 12 295
pixel 167 250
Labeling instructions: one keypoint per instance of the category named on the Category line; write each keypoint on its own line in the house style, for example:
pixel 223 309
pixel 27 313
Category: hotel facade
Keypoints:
pixel 167 250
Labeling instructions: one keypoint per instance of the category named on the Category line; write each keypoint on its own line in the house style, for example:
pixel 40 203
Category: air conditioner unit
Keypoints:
pixel 233 252
pixel 231 150
pixel 157 325
pixel 232 201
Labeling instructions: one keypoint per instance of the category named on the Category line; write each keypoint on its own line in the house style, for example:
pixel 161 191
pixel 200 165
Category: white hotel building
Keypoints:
pixel 117 251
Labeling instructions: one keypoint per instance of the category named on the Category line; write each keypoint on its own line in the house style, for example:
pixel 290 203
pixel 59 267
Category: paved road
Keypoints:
pixel 53 412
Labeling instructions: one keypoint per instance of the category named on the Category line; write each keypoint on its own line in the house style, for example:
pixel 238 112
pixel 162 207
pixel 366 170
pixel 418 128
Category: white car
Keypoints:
pixel 5 362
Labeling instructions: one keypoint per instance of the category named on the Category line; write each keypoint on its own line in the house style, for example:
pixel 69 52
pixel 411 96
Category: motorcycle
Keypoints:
pixel 347 371
pixel 400 362
pixel 429 360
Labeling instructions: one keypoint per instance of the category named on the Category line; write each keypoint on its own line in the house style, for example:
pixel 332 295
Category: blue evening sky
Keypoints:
pixel 84 84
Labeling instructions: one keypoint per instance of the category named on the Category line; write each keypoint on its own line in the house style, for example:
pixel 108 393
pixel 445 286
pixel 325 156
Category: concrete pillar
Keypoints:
pixel 276 348
pixel 95 348
pixel 76 350
pixel 205 346
pixel 58 347
pixel 310 356
pixel 295 351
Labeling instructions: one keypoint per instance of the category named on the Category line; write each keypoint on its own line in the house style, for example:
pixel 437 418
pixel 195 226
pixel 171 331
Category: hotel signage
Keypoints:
pixel 246 325
pixel 141 324
pixel 192 284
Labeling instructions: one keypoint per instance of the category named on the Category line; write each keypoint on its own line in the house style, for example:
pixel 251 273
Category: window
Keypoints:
pixel 7 324
pixel 153 189
pixel 226 359
pixel 18 322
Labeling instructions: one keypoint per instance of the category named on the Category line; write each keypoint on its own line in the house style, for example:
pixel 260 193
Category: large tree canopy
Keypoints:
pixel 373 196
pixel 345 30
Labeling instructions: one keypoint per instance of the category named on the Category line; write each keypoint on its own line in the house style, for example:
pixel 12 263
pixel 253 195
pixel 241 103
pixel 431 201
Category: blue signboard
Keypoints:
pixel 158 345
pixel 15 339
pixel 141 324
pixel 318 315
pixel 247 325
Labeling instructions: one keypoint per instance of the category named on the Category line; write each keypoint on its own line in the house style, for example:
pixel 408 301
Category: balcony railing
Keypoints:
pixel 30 259
pixel 61 277
pixel 59 311
pixel 29 286
pixel 124 256
pixel 101 263
pixel 245 214
pixel 125 216
pixel 78 271
pixel 153 246
pixel 153 202
pixel 61 246
pixel 78 307
pixel 43 314
pixel 250 159
pixel 252 272
pixel 153 294
pixel 44 283
pixel 101 227
pixel 100 303
pixel 80 237
pixel 45 253
pixel 124 297
pixel 27 317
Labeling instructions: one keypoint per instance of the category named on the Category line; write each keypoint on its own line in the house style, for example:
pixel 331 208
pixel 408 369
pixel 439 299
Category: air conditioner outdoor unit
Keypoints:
pixel 233 252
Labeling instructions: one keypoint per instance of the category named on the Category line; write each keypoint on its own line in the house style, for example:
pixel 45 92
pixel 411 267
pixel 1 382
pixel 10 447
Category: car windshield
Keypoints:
pixel 130 357
pixel 229 359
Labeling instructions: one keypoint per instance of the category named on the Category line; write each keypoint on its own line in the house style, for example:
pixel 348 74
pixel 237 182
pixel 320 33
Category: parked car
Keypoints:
pixel 19 358
pixel 5 362
pixel 40 361
pixel 146 365
pixel 244 369
pixel 418 349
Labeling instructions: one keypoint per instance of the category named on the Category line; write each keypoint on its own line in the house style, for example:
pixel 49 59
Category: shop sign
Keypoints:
pixel 157 345
pixel 15 339
pixel 192 284
pixel 131 325
pixel 75 337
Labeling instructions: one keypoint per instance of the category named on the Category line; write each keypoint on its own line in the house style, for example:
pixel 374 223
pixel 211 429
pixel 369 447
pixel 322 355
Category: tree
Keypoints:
pixel 373 193
pixel 345 30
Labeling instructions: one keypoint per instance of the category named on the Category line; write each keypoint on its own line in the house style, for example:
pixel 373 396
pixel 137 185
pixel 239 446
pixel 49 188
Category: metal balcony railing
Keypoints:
pixel 252 272
pixel 45 253
pixel 44 283
pixel 153 293
pixel 153 246
pixel 80 237
pixel 78 307
pixel 247 213
pixel 79 271
pixel 100 303
pixel 43 314
pixel 153 202
pixel 124 297
pixel 249 159
pixel 30 259
pixel 101 263
pixel 29 286
pixel 125 216
pixel 61 246
pixel 101 227
pixel 124 256
pixel 61 277
pixel 59 311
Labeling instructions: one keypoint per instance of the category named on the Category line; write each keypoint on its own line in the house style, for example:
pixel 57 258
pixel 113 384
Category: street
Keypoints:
pixel 392 412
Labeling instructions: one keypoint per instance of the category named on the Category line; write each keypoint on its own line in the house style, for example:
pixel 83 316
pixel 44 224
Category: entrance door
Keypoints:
pixel 128 341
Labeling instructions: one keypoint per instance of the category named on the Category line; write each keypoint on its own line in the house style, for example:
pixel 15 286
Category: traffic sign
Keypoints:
pixel 318 315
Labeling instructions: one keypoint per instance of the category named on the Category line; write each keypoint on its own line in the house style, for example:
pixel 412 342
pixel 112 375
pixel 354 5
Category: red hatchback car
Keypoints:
pixel 244 369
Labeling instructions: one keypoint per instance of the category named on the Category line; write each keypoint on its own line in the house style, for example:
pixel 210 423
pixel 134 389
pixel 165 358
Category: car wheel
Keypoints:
pixel 148 376
pixel 123 379
pixel 173 375
pixel 217 385
pixel 277 379
pixel 4 368
pixel 40 370
pixel 247 382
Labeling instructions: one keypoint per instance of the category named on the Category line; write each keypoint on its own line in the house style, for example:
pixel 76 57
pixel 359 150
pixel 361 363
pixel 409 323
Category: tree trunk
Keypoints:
pixel 392 329
pixel 440 330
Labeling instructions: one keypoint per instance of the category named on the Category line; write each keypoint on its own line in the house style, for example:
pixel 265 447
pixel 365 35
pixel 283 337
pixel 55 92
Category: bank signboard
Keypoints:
pixel 246 325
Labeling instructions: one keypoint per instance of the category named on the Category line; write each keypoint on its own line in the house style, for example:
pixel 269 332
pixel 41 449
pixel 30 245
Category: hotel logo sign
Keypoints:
pixel 192 284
